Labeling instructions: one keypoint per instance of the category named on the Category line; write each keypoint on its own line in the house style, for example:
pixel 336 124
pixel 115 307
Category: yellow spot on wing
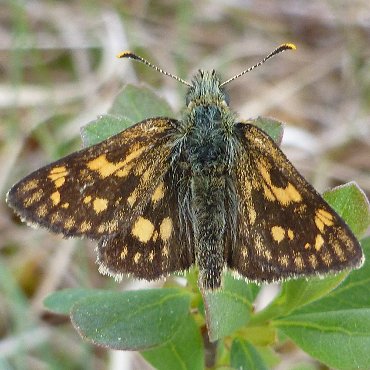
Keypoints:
pixel 124 171
pixel 267 254
pixel 319 224
pixel 283 260
pixel 58 175
pixel 124 252
pixel 268 194
pixel 103 166
pixel 285 195
pixel 326 258
pixel 146 175
pixel 293 193
pixel 322 219
pixel 55 218
pixel 139 169
pixel 325 215
pixel 85 226
pixel 155 236
pixel 106 168
pixel 298 261
pixel 263 170
pixel 59 170
pixel 165 251
pixel 69 223
pixel 87 199
pixel 290 234
pixel 35 197
pixel 108 226
pixel 55 198
pixel 100 205
pixel 252 215
pixel 59 182
pixel 132 198
pixel 313 261
pixel 319 242
pixel 339 252
pixel 278 233
pixel 137 257
pixel 143 229
pixel 30 185
pixel 42 210
pixel 165 229
pixel 151 256
pixel 158 193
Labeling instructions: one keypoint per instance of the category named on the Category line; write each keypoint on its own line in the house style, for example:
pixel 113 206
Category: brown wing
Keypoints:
pixel 100 189
pixel 154 244
pixel 285 228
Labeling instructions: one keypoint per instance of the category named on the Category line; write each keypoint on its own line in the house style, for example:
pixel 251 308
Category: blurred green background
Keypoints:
pixel 59 71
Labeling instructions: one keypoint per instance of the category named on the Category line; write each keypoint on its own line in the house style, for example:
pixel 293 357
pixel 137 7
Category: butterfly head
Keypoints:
pixel 205 89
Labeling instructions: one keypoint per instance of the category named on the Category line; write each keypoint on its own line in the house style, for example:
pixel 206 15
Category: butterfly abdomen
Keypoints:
pixel 208 205
pixel 207 156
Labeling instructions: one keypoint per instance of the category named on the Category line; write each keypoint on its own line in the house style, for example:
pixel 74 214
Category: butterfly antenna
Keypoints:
pixel 278 50
pixel 130 55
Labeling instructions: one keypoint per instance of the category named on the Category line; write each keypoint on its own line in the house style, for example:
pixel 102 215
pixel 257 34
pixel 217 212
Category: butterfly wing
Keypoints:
pixel 284 226
pixel 153 245
pixel 100 189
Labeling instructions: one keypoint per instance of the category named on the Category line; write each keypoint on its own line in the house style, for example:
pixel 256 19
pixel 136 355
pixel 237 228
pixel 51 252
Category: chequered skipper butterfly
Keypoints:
pixel 207 189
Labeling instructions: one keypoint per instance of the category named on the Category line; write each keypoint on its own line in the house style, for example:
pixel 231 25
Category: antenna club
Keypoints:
pixel 289 45
pixel 127 54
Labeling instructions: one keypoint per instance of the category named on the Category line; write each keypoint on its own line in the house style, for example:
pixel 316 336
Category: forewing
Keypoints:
pixel 285 228
pixel 154 244
pixel 99 189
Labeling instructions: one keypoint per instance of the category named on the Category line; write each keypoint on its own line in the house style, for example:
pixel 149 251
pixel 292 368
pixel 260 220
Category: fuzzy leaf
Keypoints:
pixel 336 328
pixel 244 356
pixel 62 301
pixel 133 320
pixel 184 350
pixel 352 205
pixel 272 127
pixel 229 308
pixel 133 104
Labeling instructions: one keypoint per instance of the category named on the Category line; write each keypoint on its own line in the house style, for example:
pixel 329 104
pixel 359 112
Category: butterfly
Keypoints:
pixel 207 189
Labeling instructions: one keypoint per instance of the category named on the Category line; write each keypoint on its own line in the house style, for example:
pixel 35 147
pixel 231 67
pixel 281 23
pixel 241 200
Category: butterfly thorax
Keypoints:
pixel 209 124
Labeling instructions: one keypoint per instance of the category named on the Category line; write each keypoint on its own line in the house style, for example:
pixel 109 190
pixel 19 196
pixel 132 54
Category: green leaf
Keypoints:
pixel 184 350
pixel 272 127
pixel 244 356
pixel 138 103
pixel 340 339
pixel 336 328
pixel 353 293
pixel 133 320
pixel 133 104
pixel 228 308
pixel 304 366
pixel 297 293
pixel 62 302
pixel 352 205
pixel 102 128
